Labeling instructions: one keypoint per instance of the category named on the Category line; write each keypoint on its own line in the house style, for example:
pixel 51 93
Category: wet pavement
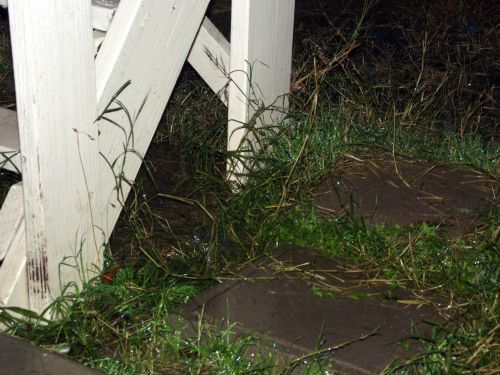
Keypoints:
pixel 20 357
pixel 397 190
pixel 301 302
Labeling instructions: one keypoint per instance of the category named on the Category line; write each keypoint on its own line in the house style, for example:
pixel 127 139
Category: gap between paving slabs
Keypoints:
pixel 296 299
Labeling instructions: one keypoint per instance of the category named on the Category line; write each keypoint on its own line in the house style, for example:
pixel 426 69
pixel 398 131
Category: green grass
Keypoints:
pixel 358 91
pixel 127 327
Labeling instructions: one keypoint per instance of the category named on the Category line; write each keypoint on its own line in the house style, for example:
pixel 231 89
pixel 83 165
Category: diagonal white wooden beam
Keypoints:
pixel 147 44
pixel 11 218
pixel 13 276
pixel 209 56
pixel 52 47
pixel 261 55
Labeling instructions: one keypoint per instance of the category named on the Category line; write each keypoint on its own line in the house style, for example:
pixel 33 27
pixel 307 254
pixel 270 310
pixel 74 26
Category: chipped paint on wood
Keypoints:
pixel 38 277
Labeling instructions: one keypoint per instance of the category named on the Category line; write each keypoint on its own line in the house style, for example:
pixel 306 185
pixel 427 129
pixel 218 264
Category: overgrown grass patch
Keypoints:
pixel 129 327
pixel 458 276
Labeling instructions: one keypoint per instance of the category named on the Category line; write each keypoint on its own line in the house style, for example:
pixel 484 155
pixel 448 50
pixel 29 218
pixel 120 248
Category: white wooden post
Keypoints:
pixel 260 65
pixel 53 51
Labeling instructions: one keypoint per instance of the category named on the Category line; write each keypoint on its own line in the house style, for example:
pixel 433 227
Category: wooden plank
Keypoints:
pixel 14 280
pixel 13 274
pixel 209 56
pixel 261 55
pixel 9 141
pixel 102 13
pixel 147 44
pixel 52 47
pixel 11 217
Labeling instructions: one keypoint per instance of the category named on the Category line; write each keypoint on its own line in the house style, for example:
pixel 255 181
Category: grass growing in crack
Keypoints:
pixel 410 115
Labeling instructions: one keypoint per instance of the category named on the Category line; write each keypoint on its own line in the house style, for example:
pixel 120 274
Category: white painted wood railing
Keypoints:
pixel 56 221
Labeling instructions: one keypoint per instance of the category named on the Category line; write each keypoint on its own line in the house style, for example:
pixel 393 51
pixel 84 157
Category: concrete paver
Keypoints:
pixel 281 306
pixel 404 191
pixel 20 357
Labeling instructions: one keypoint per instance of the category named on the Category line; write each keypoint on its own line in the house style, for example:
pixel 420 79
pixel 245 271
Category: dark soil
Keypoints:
pixel 169 204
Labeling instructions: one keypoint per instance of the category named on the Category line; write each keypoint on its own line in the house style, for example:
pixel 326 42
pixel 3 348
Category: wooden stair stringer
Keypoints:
pixel 209 55
pixel 150 56
pixel 13 285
